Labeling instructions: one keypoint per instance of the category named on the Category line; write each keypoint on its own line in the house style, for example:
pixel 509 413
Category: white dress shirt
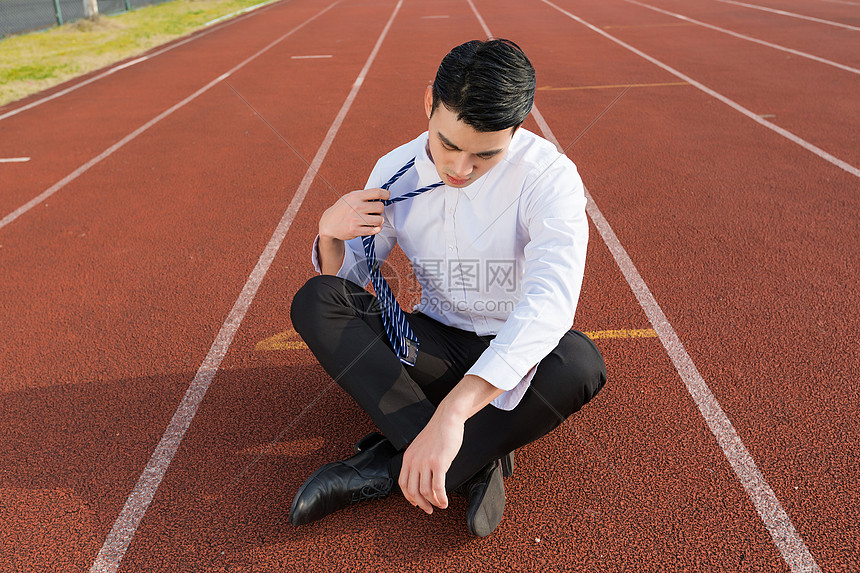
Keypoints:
pixel 504 256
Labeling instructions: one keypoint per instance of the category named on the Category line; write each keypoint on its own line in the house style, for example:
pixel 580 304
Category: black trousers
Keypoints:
pixel 341 324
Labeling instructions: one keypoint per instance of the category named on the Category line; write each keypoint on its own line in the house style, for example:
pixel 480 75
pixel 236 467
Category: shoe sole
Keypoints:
pixel 485 516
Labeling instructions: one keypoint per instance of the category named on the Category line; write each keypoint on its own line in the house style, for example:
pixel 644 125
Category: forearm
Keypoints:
pixel 467 398
pixel 331 252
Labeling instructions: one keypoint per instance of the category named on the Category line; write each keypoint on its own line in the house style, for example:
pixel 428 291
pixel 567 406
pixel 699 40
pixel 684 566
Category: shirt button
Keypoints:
pixel 450 247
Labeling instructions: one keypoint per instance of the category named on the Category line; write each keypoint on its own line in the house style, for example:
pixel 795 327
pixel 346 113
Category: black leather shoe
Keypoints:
pixel 340 484
pixel 486 493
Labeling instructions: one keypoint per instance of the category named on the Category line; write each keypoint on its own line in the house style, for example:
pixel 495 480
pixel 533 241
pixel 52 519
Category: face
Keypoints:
pixel 461 154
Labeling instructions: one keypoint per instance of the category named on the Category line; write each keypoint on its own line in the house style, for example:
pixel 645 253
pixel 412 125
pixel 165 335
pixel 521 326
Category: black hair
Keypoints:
pixel 490 84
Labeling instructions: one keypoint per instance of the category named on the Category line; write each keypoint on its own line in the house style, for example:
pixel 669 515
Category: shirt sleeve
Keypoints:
pixel 554 264
pixel 354 267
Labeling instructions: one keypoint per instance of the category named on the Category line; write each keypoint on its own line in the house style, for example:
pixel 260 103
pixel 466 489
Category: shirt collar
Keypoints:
pixel 423 164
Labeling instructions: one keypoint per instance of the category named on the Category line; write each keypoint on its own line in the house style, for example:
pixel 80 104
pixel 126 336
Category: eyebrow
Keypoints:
pixel 448 143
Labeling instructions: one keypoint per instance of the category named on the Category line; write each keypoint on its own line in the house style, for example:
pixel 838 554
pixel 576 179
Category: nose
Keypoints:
pixel 462 166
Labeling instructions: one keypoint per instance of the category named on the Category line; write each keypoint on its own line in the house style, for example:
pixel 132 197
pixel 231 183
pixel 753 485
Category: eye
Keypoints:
pixel 486 156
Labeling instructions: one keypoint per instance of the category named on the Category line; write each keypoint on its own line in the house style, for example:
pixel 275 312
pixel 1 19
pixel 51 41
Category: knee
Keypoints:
pixel 575 370
pixel 590 365
pixel 310 300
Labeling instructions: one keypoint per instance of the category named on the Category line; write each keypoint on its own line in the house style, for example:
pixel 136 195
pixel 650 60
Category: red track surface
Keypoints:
pixel 113 290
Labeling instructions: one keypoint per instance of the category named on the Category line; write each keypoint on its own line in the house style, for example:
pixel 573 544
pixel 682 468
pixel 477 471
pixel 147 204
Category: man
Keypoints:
pixel 498 247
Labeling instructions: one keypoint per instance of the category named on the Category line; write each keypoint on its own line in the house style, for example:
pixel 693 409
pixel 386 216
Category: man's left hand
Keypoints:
pixel 429 456
pixel 427 459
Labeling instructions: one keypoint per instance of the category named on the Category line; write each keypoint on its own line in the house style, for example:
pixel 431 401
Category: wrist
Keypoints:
pixel 453 411
pixel 330 254
pixel 328 238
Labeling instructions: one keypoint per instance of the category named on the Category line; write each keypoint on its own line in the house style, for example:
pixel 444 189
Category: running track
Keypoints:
pixel 158 415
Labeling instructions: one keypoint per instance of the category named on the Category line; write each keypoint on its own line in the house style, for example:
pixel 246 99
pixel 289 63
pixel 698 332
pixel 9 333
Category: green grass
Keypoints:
pixel 30 63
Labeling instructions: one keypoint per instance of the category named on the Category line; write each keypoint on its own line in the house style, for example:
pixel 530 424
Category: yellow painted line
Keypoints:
pixel 636 333
pixel 290 340
pixel 666 25
pixel 552 89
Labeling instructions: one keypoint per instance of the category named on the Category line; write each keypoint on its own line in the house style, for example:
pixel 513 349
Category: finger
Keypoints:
pixel 439 494
pixel 403 483
pixel 369 209
pixel 427 490
pixel 406 482
pixel 415 490
pixel 368 231
pixel 359 228
pixel 376 194
pixel 360 202
pixel 371 221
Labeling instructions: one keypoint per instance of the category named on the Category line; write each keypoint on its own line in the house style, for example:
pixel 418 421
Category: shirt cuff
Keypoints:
pixel 496 370
pixel 315 255
pixel 315 258
pixel 509 399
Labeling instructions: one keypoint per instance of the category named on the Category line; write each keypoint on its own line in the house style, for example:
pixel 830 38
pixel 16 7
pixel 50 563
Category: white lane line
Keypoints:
pixel 790 14
pixel 842 2
pixel 14 159
pixel 237 12
pixel 310 57
pixel 110 150
pixel 485 28
pixel 734 105
pixel 748 38
pixel 776 520
pixel 60 93
pixel 127 64
pixel 138 501
pixel 113 70
pixel 782 531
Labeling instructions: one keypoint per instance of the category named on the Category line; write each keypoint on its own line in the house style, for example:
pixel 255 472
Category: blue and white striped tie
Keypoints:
pixel 403 340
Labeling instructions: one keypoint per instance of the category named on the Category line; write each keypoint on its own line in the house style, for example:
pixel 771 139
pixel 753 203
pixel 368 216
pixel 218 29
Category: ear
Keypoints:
pixel 428 101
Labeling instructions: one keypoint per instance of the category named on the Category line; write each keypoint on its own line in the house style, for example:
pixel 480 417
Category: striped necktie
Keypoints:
pixel 399 333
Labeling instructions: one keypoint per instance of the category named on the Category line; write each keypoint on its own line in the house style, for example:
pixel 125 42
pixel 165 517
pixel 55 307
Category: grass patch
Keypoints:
pixel 30 63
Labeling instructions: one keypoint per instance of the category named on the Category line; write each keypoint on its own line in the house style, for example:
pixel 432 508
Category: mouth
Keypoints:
pixel 454 181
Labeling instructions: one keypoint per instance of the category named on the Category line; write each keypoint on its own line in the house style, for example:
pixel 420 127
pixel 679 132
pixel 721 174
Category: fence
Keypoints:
pixel 24 15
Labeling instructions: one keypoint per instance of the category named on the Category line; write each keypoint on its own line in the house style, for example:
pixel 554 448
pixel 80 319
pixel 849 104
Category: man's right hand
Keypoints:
pixel 354 215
